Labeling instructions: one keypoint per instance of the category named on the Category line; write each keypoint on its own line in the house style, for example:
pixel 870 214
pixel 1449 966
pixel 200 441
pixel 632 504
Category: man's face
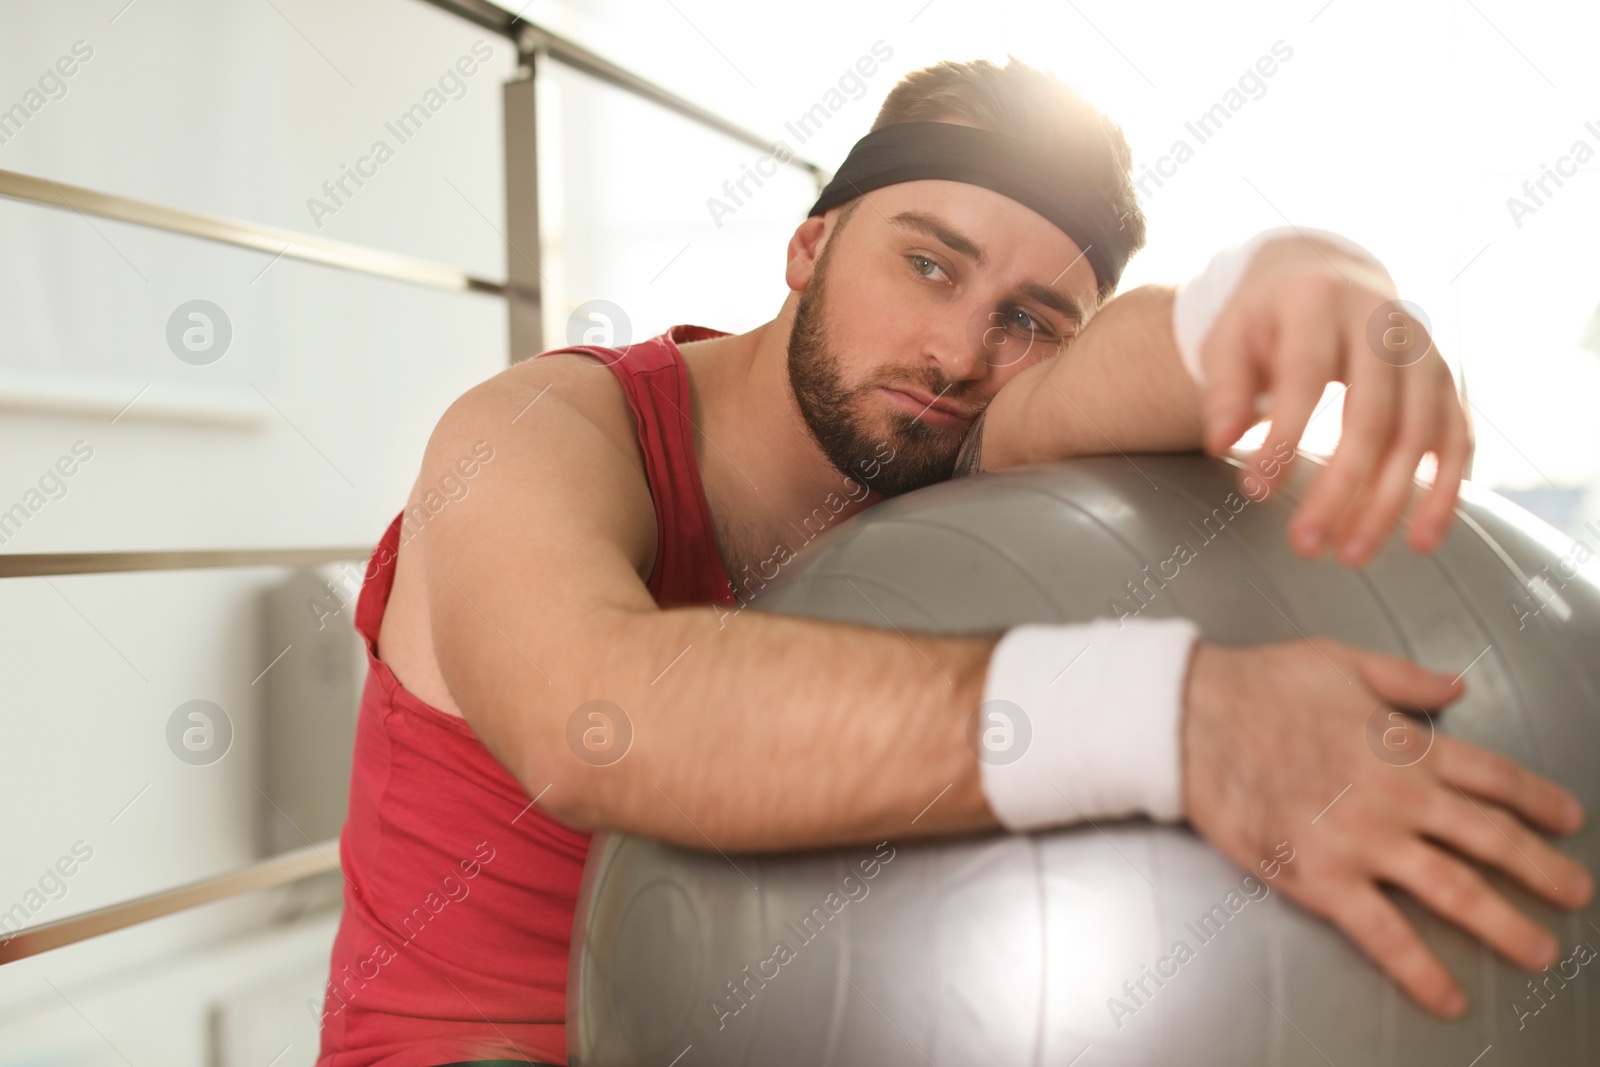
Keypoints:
pixel 930 298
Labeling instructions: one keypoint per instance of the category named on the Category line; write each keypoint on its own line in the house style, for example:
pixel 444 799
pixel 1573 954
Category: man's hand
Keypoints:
pixel 1259 769
pixel 1305 314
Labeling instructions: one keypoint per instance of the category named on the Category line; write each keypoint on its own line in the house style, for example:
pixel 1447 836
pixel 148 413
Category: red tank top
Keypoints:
pixel 459 892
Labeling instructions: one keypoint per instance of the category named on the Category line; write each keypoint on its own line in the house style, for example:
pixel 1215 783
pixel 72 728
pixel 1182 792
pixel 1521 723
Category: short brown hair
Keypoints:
pixel 1025 102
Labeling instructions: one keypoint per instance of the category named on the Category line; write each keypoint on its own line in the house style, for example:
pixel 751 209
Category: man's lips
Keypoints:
pixel 934 409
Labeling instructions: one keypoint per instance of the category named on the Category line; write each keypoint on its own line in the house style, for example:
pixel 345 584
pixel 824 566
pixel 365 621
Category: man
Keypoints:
pixel 552 649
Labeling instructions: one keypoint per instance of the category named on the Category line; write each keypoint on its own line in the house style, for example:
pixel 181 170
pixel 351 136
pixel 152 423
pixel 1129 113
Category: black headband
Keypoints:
pixel 1012 167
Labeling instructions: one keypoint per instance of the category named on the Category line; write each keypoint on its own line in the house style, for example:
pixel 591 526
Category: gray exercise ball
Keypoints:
pixel 1061 948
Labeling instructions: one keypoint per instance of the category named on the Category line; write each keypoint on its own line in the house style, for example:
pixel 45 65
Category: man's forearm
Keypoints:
pixel 757 731
pixel 1119 387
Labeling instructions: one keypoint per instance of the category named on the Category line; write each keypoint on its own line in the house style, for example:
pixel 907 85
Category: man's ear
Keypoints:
pixel 804 248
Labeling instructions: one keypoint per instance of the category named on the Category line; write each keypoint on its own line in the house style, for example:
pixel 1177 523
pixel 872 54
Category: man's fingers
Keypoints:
pixel 1457 892
pixel 1490 834
pixel 1307 358
pixel 1373 922
pixel 1368 428
pixel 1431 520
pixel 1232 381
pixel 1406 684
pixel 1500 780
pixel 1395 476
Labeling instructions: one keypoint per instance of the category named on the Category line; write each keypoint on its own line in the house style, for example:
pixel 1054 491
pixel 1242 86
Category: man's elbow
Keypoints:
pixel 557 779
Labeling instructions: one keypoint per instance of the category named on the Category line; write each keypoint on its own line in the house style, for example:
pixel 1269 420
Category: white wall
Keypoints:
pixel 306 432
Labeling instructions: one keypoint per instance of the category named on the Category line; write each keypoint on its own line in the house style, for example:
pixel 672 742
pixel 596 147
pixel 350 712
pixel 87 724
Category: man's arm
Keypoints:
pixel 1123 384
pixel 1280 317
pixel 1119 386
pixel 750 730
pixel 969 460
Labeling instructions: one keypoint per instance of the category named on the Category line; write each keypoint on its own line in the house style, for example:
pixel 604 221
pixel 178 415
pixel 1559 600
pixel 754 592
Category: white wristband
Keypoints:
pixel 1081 721
pixel 1201 299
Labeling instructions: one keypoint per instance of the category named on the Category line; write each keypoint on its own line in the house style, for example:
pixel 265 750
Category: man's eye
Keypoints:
pixel 922 265
pixel 1024 320
pixel 1019 319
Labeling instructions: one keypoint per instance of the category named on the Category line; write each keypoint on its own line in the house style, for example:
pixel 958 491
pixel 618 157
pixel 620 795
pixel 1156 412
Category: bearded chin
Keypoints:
pixel 911 456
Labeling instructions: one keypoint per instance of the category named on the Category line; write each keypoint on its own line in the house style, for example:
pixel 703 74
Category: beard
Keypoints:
pixel 923 454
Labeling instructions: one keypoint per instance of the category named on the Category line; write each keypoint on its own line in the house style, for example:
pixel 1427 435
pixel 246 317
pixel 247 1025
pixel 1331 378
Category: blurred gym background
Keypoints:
pixel 1410 128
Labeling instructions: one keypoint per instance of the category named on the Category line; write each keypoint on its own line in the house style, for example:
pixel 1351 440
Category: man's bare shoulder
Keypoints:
pixel 542 456
pixel 566 451
pixel 575 380
pixel 559 405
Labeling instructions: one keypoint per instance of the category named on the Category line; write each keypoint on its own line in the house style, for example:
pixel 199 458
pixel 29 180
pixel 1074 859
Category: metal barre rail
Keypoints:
pixel 270 239
pixel 34 565
pixel 295 245
pixel 268 874
pixel 533 38
pixel 530 40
